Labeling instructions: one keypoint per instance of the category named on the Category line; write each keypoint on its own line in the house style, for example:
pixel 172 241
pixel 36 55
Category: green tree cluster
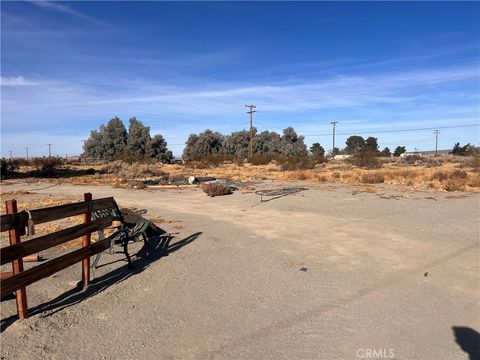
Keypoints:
pixel 112 141
pixel 235 145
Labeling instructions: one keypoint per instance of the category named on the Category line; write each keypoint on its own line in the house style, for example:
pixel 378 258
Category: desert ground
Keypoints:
pixel 335 271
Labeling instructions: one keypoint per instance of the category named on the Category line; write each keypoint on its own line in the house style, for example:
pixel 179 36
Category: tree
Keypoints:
pixel 371 144
pixel 336 151
pixel 386 152
pixel 189 150
pixel 354 144
pixel 267 142
pixel 462 150
pixel 108 143
pixel 138 138
pixel 293 145
pixel 203 145
pixel 157 149
pixel 399 150
pixel 235 145
pixel 317 150
pixel 112 142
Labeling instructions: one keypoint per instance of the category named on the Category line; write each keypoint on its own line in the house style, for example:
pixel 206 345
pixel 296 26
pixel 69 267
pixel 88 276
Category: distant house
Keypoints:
pixel 426 153
pixel 342 157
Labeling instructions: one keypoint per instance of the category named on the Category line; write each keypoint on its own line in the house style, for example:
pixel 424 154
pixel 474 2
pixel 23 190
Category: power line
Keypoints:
pixel 399 130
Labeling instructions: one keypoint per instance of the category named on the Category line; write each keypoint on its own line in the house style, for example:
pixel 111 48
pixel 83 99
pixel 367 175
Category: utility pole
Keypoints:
pixel 27 152
pixel 333 135
pixel 10 151
pixel 250 145
pixel 49 150
pixel 436 132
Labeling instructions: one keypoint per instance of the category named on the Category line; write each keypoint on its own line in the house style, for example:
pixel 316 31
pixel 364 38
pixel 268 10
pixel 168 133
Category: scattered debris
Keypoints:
pixel 151 182
pixel 277 193
pixel 213 190
pixel 197 180
pixel 33 258
pixel 354 192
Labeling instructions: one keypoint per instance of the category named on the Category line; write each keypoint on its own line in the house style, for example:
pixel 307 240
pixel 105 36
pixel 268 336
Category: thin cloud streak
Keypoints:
pixel 16 81
pixel 55 6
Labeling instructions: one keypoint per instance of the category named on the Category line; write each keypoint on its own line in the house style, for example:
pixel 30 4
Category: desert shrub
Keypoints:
pixel 301 175
pixel 322 178
pixel 407 174
pixel 238 162
pixel 290 163
pixel 365 158
pixel 455 184
pixel 474 181
pixel 261 159
pixel 473 162
pixel 7 168
pixel 431 162
pixel 135 184
pixel 374 177
pixel 412 159
pixel 47 166
pixel 440 175
pixel 216 190
pixel 459 174
pixel 336 174
pixel 134 170
pixel 47 163
pixel 210 161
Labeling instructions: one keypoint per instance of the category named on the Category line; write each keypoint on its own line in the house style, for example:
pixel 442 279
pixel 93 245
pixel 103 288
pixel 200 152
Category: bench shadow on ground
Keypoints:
pixel 156 248
pixel 468 340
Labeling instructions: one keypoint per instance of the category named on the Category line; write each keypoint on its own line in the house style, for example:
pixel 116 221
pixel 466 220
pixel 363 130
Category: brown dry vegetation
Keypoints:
pixel 441 174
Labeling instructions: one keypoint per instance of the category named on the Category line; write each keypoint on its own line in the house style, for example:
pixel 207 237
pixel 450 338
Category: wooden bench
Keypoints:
pixel 105 211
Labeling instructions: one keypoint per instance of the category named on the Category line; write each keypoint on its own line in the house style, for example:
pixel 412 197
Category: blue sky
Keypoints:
pixel 182 67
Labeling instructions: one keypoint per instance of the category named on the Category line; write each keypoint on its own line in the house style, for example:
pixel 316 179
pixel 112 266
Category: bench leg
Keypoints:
pixel 127 255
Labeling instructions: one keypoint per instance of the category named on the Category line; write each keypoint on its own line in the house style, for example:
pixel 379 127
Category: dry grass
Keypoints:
pixel 374 177
pixel 426 173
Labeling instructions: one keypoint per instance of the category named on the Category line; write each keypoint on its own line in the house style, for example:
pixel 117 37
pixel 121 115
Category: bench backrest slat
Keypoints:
pixel 40 216
pixel 13 221
pixel 44 242
pixel 48 268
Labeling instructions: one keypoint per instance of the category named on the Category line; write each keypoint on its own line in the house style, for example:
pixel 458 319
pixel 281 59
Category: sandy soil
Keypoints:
pixel 328 273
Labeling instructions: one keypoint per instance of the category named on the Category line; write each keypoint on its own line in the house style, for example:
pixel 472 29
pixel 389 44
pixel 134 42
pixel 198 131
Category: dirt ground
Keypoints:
pixel 332 272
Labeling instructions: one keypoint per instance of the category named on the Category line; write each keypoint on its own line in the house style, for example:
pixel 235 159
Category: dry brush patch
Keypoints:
pixel 442 174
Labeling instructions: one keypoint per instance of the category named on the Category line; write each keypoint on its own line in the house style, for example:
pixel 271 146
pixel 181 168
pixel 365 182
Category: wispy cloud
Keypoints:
pixel 55 6
pixel 16 81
